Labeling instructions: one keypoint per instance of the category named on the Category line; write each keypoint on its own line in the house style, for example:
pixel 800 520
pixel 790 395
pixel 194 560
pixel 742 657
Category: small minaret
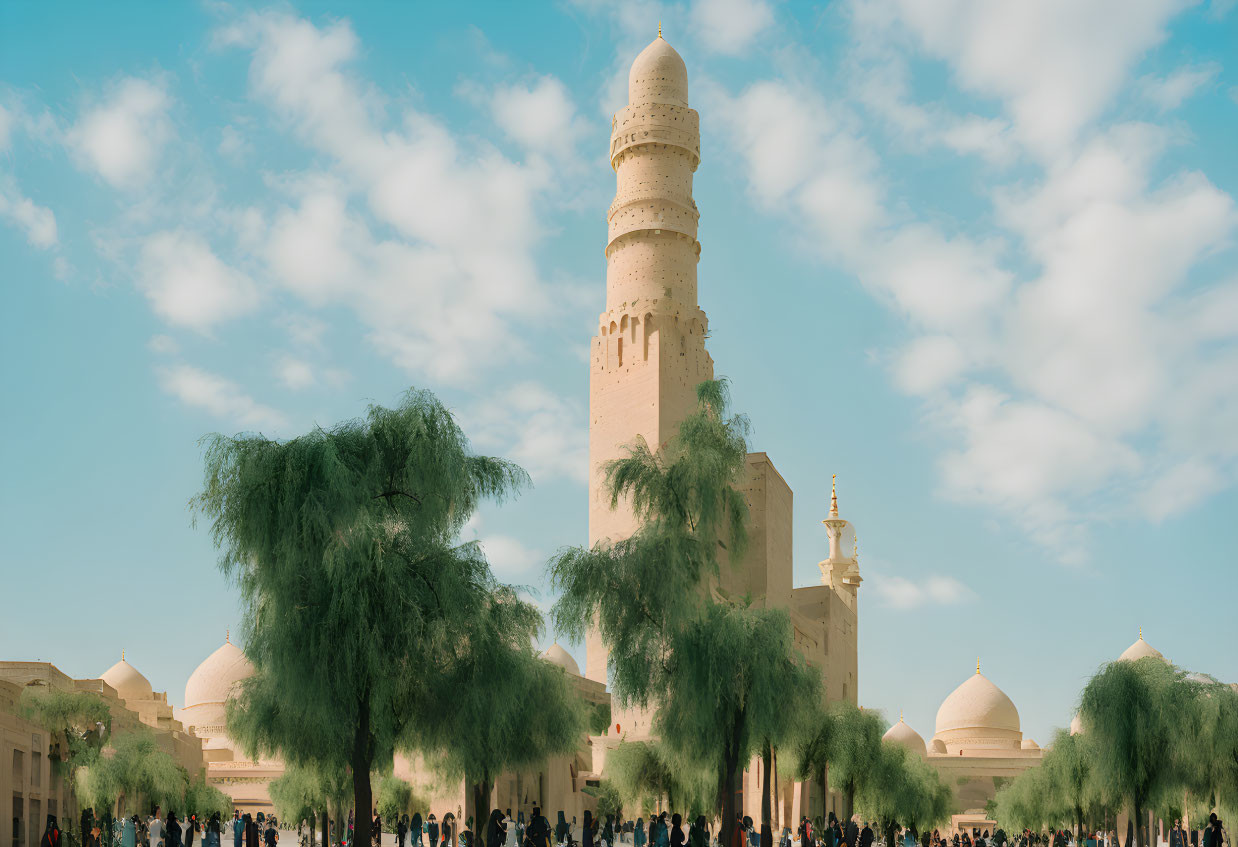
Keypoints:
pixel 840 571
pixel 649 352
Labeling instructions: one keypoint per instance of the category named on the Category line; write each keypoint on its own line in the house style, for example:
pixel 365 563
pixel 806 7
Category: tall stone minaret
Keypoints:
pixel 649 353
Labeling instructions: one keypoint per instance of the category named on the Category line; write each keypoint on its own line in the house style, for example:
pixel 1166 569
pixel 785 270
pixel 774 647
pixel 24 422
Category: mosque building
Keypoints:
pixel 646 361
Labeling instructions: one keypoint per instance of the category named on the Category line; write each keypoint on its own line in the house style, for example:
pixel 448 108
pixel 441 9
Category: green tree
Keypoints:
pixel 76 722
pixel 646 772
pixel 396 797
pixel 718 671
pixel 203 799
pixel 518 710
pixel 343 544
pixel 137 769
pixel 842 741
pixel 901 789
pixel 1138 714
pixel 1069 776
pixel 309 792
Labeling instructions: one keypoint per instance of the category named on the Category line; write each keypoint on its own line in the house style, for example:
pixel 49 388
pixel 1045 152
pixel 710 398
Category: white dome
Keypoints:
pixel 129 684
pixel 556 655
pixel 1140 650
pixel 977 703
pixel 904 735
pixel 658 75
pixel 212 681
pixel 1076 724
pixel 1029 744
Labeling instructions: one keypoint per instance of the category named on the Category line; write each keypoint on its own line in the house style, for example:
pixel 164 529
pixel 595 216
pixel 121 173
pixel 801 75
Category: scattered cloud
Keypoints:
pixel 898 592
pixel 122 137
pixel 188 285
pixel 544 433
pixel 1170 92
pixel 163 344
pixel 731 26
pixel 220 398
pixel 232 144
pixel 36 222
pixel 295 374
pixel 540 117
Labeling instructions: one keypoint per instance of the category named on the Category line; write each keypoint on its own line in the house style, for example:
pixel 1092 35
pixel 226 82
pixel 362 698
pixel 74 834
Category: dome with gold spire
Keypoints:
pixel 1140 650
pixel 213 680
pixel 902 734
pixel 128 682
pixel 978 716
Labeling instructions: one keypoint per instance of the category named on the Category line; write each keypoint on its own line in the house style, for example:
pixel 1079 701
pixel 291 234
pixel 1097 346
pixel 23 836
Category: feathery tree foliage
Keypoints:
pixel 646 772
pixel 844 739
pixel 138 770
pixel 1154 740
pixel 499 707
pixel 309 792
pixel 901 789
pixel 78 722
pixel 343 544
pixel 1139 717
pixel 203 799
pixel 718 671
pixel 396 797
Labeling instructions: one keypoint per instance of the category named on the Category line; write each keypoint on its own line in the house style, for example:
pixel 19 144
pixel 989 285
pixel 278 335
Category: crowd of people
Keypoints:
pixel 167 830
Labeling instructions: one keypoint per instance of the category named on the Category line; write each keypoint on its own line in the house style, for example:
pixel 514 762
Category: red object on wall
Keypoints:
pixel 616 727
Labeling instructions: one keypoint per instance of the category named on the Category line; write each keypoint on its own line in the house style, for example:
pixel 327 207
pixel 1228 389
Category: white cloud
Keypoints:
pixel 232 143
pixel 928 363
pixel 121 138
pixel 541 117
pixel 898 592
pixel 188 285
pixel 544 433
pixel 6 128
pixel 1170 92
pixel 220 398
pixel 1056 64
pixel 440 297
pixel 730 26
pixel 510 559
pixel 295 373
pixel 38 223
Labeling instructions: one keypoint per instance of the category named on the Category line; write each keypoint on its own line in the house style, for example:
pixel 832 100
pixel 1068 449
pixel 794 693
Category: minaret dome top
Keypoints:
pixel 658 76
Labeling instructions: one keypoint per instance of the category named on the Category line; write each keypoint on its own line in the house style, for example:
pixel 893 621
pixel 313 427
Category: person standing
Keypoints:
pixel 677 830
pixel 154 829
pixel 190 828
pixel 271 836
pixel 608 832
pixel 129 832
pixel 401 829
pixel 494 829
pixel 432 830
pixel 414 830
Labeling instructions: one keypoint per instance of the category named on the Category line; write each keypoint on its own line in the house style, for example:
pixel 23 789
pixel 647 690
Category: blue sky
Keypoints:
pixel 975 258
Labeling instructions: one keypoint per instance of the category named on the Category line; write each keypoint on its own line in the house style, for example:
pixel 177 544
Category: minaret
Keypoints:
pixel 841 570
pixel 649 353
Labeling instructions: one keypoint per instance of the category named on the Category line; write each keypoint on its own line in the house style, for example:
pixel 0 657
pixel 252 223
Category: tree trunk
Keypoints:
pixel 730 764
pixel 767 834
pixel 326 828
pixel 825 794
pixel 481 811
pixel 362 791
pixel 850 798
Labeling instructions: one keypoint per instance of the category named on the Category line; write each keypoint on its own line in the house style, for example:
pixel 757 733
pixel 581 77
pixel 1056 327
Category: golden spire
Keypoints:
pixel 122 655
pixel 227 636
pixel 977 664
pixel 1141 633
pixel 834 495
pixel 659 29
pixel 900 715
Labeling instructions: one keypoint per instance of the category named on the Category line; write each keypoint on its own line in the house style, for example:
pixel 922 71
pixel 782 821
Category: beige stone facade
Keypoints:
pixel 26 751
pixel 648 357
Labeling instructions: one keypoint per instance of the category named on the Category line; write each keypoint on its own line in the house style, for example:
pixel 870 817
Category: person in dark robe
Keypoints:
pixel 432 830
pixel 608 832
pixel 51 835
pixel 638 833
pixel 88 823
pixel 190 829
pixel 271 836
pixel 866 836
pixel 852 832
pixel 447 831
pixel 251 831
pixel 495 832
pixel 677 830
pixel 401 830
pixel 586 834
pixel 562 831
pixel 172 835
pixel 414 830
pixel 214 831
pixel 376 830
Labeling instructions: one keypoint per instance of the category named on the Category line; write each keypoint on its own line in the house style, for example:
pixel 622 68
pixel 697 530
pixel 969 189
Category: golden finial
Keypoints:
pixel 1141 633
pixel 900 715
pixel 227 636
pixel 122 655
pixel 834 495
pixel 659 29
pixel 977 664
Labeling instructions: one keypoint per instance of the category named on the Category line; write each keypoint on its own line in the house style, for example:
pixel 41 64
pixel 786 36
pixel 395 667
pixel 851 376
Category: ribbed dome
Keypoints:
pixel 1140 650
pixel 556 655
pixel 1076 724
pixel 212 681
pixel 129 684
pixel 977 703
pixel 905 736
pixel 658 76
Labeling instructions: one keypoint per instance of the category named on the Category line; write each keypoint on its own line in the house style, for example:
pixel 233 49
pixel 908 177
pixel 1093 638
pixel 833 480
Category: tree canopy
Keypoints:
pixel 722 673
pixel 137 769
pixel 845 739
pixel 78 721
pixel 343 542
